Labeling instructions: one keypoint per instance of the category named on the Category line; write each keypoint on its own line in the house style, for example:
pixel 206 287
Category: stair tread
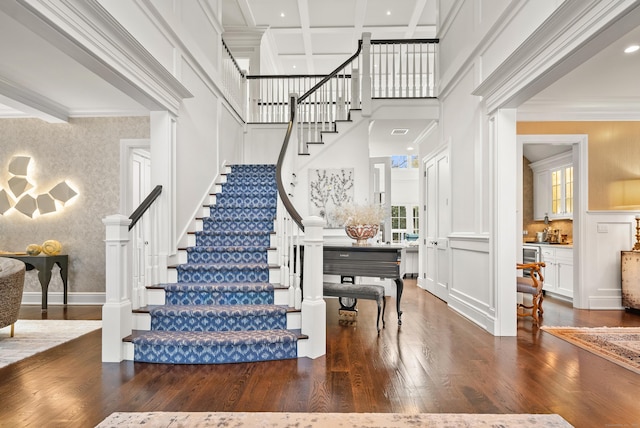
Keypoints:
pixel 137 333
pixel 228 248
pixel 149 308
pixel 217 310
pixel 214 337
pixel 213 284
pixel 222 266
pixel 234 232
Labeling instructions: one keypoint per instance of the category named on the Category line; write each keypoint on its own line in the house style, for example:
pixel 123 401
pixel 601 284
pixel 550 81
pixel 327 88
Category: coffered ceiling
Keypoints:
pixel 315 36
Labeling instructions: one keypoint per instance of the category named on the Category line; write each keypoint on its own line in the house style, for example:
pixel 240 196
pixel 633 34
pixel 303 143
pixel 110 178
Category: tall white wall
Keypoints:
pixel 185 38
pixel 349 149
pixel 404 186
pixel 475 38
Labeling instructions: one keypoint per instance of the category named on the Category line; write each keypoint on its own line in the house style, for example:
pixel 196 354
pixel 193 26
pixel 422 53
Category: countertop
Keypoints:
pixel 547 244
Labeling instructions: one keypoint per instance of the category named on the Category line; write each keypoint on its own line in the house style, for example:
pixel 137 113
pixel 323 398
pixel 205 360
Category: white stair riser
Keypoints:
pixel 142 321
pixel 272 257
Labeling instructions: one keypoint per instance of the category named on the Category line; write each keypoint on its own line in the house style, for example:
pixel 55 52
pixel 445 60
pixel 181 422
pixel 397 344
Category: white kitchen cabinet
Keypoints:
pixel 553 187
pixel 541 199
pixel 558 272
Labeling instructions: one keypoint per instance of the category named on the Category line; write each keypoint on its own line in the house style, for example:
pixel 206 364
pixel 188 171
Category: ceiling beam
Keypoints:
pixel 357 30
pixel 303 10
pixel 415 17
pixel 31 103
pixel 358 22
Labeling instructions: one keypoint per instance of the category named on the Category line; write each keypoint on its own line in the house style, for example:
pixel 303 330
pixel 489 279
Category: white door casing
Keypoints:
pixel 437 224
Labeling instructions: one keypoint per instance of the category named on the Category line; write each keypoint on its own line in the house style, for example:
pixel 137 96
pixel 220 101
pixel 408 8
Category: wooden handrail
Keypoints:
pixel 224 45
pixel 332 74
pixel 402 41
pixel 295 215
pixel 144 206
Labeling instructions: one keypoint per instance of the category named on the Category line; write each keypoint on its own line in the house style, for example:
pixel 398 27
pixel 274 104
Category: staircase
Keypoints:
pixel 222 307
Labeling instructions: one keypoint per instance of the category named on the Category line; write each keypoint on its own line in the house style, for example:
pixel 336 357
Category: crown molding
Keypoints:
pixel 29 103
pixel 571 35
pixel 84 30
pixel 590 110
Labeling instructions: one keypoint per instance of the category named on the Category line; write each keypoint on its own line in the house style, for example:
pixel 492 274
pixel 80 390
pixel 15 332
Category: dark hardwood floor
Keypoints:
pixel 436 362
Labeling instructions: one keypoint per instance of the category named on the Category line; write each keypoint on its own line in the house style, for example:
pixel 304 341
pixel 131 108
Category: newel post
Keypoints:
pixel 314 314
pixel 116 312
pixel 366 74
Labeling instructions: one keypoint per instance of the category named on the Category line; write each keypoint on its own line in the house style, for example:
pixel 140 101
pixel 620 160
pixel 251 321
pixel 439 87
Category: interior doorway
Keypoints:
pixel 135 164
pixel 437 224
pixel 577 144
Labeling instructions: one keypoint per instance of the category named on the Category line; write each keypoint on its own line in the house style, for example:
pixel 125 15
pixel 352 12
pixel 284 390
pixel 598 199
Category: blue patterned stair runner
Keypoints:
pixel 222 309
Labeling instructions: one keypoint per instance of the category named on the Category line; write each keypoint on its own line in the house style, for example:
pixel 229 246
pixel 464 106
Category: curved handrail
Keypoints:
pixel 295 215
pixel 332 74
pixel 144 206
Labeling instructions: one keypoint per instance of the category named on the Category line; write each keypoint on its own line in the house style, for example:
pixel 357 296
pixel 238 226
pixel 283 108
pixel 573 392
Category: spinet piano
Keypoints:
pixel 378 261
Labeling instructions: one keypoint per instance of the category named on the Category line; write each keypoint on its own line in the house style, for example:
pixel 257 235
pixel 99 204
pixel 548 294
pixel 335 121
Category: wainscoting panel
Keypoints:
pixel 608 233
pixel 470 293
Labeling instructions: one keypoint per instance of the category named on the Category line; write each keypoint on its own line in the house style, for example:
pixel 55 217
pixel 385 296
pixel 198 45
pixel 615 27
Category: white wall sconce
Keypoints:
pixel 19 185
pixel 19 165
pixel 5 201
pixel 62 192
pixel 46 204
pixel 59 196
pixel 27 205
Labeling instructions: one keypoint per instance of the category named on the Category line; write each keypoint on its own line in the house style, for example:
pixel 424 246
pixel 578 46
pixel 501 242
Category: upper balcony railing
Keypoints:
pixel 395 69
pixel 234 82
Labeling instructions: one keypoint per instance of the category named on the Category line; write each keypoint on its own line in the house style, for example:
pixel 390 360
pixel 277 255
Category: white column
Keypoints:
pixel 502 134
pixel 366 74
pixel 116 312
pixel 163 171
pixel 314 313
pixel 355 89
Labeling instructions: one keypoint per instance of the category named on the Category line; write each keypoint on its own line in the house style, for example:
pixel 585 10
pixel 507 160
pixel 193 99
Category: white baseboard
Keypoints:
pixel 56 298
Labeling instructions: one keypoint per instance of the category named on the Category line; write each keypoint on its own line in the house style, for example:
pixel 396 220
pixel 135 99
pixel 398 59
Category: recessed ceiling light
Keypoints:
pixel 388 12
pixel 631 48
pixel 410 148
pixel 399 131
pixel 281 14
pixel 294 66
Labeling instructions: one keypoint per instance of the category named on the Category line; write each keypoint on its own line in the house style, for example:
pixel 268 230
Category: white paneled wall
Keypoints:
pixel 608 233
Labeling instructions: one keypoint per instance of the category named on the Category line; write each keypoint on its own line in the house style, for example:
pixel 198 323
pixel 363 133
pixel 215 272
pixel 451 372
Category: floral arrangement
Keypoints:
pixel 355 214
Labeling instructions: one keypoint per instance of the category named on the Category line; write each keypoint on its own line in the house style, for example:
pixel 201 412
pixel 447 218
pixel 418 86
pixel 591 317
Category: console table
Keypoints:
pixel 43 264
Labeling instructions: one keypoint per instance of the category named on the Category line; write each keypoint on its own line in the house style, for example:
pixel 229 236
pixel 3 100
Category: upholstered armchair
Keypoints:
pixel 531 285
pixel 11 287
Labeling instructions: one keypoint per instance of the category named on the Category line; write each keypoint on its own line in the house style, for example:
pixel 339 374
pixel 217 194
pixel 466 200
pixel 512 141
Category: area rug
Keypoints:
pixel 620 345
pixel 33 336
pixel 333 420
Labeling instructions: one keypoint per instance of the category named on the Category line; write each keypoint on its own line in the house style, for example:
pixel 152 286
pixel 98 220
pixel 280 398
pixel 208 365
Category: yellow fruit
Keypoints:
pixel 34 249
pixel 51 247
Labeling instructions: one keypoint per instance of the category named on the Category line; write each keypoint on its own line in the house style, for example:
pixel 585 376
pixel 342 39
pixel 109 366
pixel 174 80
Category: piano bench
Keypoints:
pixel 358 291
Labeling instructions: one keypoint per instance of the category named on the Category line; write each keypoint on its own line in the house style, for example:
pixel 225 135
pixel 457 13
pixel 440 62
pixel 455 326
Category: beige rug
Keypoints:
pixel 620 345
pixel 332 420
pixel 33 336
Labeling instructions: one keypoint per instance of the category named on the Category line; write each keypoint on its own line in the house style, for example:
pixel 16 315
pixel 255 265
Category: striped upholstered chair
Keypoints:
pixel 11 287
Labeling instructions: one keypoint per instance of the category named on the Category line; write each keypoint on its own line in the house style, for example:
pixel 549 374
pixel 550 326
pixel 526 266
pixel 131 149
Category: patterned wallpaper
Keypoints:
pixel 86 152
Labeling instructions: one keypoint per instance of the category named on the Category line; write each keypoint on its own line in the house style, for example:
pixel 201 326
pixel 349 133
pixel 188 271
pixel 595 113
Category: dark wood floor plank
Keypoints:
pixel 437 361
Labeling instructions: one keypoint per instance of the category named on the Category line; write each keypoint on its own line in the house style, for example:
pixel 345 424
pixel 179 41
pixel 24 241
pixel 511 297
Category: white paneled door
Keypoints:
pixel 438 225
pixel 140 188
